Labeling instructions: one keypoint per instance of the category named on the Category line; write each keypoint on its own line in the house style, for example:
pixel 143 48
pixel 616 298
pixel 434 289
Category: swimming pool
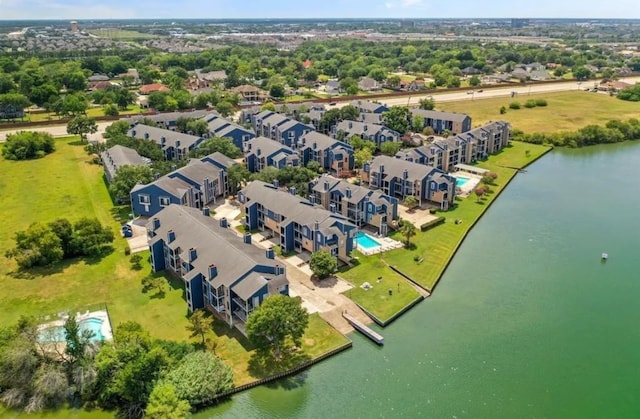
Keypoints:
pixel 56 333
pixel 461 181
pixel 365 241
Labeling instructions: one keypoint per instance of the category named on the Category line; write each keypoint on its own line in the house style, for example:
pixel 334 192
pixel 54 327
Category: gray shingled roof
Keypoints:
pixel 358 192
pixel 171 116
pixel 292 207
pixel 366 105
pixel 224 160
pixel 395 167
pixel 266 146
pixel 214 245
pixel 156 134
pixel 361 128
pixel 322 141
pixel 446 116
pixel 118 156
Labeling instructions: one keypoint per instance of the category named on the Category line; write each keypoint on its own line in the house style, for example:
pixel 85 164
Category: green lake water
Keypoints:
pixel 526 322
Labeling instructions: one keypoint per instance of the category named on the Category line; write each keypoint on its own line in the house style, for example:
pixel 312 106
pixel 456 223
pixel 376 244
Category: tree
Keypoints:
pixel 198 127
pixel 26 145
pixel 427 104
pixel 322 264
pixel 394 81
pixel 117 129
pixel 503 110
pixel 221 145
pixel 480 191
pixel 474 81
pixel 582 73
pixel 237 176
pixel 278 318
pixel 36 246
pixel 111 110
pixel 389 148
pixel 126 178
pixel 82 125
pixel 410 201
pixel 90 238
pixel 200 377
pixel 362 156
pixel 408 230
pixel 200 324
pixel 157 283
pixel 224 108
pixel 313 165
pixel 277 91
pixel 165 404
pixel 268 106
pixel 350 113
pixel 397 118
pixel 417 123
pixel 64 230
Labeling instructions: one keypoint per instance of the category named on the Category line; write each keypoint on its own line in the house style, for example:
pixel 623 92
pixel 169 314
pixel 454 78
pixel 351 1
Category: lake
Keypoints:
pixel 526 322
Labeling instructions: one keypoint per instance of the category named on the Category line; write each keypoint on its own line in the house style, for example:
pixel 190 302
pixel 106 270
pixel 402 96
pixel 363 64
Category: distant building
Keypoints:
pixel 519 23
pixel 74 26
pixel 118 156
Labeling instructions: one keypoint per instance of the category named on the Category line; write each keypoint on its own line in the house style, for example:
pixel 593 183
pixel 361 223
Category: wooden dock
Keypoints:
pixel 363 328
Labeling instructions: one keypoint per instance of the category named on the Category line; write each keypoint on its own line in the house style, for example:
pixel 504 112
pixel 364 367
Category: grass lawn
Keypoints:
pixel 377 299
pixel 234 348
pixel 438 245
pixel 66 184
pixel 566 111
pixel 91 112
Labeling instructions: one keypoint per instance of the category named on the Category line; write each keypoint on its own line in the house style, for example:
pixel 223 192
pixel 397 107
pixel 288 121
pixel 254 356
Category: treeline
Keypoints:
pixel 135 375
pixel 47 244
pixel 612 132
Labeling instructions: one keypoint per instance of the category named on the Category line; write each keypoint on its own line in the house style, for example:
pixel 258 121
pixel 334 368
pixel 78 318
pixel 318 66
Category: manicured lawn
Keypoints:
pixel 91 112
pixel 438 245
pixel 377 299
pixel 66 184
pixel 566 111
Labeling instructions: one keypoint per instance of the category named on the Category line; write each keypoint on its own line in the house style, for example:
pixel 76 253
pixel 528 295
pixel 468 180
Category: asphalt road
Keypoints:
pixel 55 130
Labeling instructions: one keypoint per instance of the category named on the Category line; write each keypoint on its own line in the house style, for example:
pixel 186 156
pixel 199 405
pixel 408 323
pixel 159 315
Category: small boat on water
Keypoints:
pixel 604 256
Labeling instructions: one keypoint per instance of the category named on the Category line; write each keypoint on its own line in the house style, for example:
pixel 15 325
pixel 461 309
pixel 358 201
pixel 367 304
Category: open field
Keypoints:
pixel 91 112
pixel 377 299
pixel 121 34
pixel 438 245
pixel 66 184
pixel 566 111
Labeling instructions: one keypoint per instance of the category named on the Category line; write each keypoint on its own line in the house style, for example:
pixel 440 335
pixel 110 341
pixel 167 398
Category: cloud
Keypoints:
pixel 405 4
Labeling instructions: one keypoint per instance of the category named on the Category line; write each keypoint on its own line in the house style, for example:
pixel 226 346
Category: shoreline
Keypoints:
pixel 482 213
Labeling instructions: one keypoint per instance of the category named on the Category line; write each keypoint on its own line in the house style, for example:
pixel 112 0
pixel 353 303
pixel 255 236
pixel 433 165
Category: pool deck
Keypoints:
pixel 385 244
pixel 105 329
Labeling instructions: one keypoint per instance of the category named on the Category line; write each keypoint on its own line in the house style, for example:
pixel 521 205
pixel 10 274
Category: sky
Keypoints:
pixel 120 9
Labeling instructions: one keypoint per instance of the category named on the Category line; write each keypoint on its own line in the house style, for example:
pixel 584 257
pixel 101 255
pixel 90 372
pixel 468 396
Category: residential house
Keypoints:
pixel 454 123
pixel 195 185
pixel 118 156
pixel 221 272
pixel 370 132
pixel 332 87
pixel 296 224
pixel 417 84
pixel 334 156
pixel 279 128
pixel 400 178
pixel 97 77
pixel 368 106
pixel 223 128
pixel 154 87
pixel 201 80
pixel 261 152
pixel 367 84
pixel 540 75
pixel 446 153
pixel 250 93
pixel 174 145
pixel 361 205
pixel 169 120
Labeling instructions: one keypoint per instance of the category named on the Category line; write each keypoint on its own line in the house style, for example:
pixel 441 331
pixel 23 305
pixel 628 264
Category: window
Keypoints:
pixel 164 201
pixel 143 199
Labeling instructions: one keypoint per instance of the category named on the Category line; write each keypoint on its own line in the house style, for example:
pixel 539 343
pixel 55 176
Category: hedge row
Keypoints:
pixel 433 223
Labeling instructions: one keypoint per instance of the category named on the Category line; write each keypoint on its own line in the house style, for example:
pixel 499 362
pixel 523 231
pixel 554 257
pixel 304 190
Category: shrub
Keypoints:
pixel 27 145
pixel 127 251
pixel 541 102
pixel 503 110
pixel 530 104
pixel 433 223
pixel 514 105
